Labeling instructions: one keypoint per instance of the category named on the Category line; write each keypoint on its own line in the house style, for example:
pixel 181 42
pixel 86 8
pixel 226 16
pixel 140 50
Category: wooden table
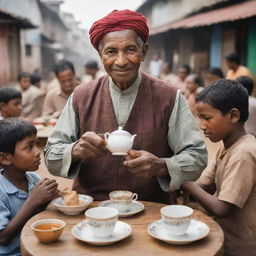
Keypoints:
pixel 43 134
pixel 139 243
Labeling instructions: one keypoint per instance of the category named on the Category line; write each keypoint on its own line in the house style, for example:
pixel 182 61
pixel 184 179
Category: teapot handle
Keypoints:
pixel 106 135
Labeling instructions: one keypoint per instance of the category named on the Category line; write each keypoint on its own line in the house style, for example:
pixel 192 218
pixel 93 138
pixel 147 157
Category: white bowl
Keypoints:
pixel 73 210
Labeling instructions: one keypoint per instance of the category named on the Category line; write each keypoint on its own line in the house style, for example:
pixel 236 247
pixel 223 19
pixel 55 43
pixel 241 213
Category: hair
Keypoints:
pixel 23 74
pixel 62 66
pixel 198 80
pixel 215 71
pixel 186 67
pixel 246 82
pixel 233 57
pixel 224 95
pixel 91 64
pixel 9 93
pixel 13 130
pixel 35 78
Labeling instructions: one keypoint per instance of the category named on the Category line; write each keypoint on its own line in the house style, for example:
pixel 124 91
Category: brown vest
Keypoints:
pixel 148 119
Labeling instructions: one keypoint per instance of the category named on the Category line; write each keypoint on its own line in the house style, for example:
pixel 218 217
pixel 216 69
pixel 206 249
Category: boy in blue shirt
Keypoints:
pixel 227 187
pixel 22 194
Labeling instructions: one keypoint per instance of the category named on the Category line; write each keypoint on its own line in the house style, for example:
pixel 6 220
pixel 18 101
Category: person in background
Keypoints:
pixel 169 146
pixel 32 97
pixel 194 84
pixel 22 192
pixel 35 80
pixel 56 99
pixel 10 102
pixel 92 71
pixel 212 74
pixel 235 68
pixel 183 72
pixel 250 124
pixel 155 66
pixel 223 109
pixel 167 75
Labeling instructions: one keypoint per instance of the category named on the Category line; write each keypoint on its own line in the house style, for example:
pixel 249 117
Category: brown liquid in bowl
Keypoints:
pixel 48 226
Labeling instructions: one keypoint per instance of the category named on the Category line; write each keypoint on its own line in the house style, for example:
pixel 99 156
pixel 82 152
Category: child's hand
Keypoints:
pixel 45 191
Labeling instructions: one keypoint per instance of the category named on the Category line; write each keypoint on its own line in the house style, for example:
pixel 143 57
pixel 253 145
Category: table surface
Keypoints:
pixel 139 243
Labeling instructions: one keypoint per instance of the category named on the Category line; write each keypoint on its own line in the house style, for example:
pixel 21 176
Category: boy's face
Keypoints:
pixel 213 123
pixel 12 108
pixel 26 156
pixel 24 83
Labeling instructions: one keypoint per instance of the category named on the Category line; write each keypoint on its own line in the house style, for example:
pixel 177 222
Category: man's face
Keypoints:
pixel 12 108
pixel 67 81
pixel 24 83
pixel 231 64
pixel 91 71
pixel 121 55
pixel 182 73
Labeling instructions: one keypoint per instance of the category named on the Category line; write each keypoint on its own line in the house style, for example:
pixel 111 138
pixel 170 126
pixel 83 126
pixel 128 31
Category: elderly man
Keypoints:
pixel 169 147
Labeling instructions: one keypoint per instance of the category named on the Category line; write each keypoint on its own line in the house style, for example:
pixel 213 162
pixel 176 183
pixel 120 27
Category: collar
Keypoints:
pixel 61 93
pixel 134 87
pixel 10 188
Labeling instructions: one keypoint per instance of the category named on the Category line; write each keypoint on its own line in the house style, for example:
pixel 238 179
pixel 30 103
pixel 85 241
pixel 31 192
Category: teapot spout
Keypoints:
pixel 132 138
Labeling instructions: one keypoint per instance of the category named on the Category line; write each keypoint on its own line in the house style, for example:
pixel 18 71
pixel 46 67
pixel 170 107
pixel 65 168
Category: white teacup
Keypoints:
pixel 122 199
pixel 101 220
pixel 176 218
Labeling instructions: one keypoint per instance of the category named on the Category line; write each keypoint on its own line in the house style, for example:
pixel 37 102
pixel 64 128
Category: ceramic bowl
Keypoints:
pixel 48 230
pixel 85 201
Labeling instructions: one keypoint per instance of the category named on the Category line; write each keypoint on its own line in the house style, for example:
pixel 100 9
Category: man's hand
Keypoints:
pixel 89 145
pixel 44 191
pixel 143 163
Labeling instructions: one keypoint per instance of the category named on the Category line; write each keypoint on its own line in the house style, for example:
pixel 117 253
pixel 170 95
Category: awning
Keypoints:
pixel 21 22
pixel 230 13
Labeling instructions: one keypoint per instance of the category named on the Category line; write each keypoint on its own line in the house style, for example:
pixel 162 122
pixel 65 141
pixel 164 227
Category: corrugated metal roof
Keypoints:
pixel 19 21
pixel 230 13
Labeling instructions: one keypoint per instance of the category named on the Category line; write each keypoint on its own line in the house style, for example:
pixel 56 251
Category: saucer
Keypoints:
pixel 82 232
pixel 197 230
pixel 136 207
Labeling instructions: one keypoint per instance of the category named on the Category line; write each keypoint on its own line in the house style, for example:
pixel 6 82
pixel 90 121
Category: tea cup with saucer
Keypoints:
pixel 122 199
pixel 176 218
pixel 101 220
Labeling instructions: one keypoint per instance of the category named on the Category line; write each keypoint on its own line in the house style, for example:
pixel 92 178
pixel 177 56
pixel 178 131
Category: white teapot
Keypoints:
pixel 119 142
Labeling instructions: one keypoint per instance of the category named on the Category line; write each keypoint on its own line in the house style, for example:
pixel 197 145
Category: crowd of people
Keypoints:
pixel 191 84
pixel 169 153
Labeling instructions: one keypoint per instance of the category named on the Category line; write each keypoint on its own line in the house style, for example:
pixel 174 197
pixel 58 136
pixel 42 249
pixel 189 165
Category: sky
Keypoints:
pixel 88 11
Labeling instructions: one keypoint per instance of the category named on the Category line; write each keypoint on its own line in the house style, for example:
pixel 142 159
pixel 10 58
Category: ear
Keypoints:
pixel 144 51
pixel 5 158
pixel 234 115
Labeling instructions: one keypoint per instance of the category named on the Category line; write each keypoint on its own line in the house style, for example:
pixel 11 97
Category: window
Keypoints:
pixel 28 50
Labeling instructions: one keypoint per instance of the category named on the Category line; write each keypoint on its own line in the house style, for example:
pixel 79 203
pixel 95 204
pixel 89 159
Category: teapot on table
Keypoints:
pixel 119 142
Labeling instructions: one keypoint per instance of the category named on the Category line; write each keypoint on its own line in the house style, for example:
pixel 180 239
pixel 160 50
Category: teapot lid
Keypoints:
pixel 120 131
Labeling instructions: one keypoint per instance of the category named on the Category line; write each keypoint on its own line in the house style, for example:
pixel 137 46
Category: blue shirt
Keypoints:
pixel 11 200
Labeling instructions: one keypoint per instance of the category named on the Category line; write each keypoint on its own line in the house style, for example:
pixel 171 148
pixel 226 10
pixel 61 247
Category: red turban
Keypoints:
pixel 119 20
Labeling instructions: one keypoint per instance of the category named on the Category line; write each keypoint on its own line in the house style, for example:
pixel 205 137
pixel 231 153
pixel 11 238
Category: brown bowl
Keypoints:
pixel 48 230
